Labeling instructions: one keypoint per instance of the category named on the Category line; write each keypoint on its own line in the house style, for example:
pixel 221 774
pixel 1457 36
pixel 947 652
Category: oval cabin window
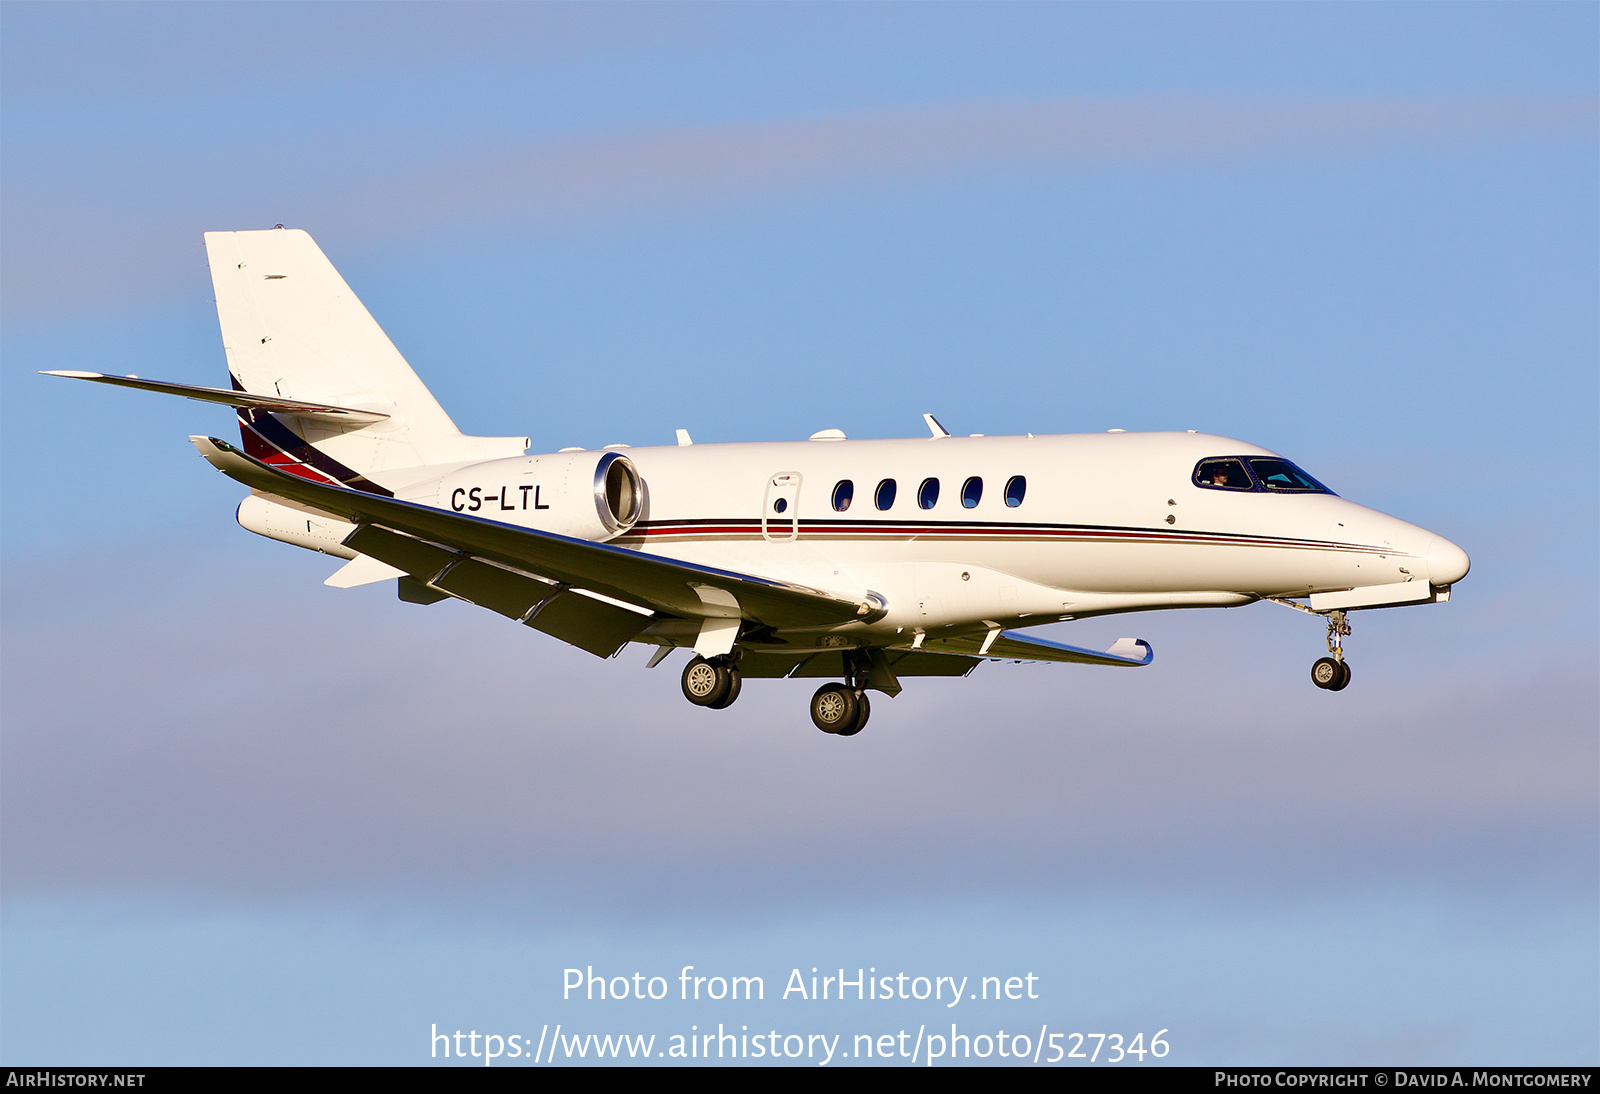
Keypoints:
pixel 928 493
pixel 1016 487
pixel 843 494
pixel 971 493
pixel 885 494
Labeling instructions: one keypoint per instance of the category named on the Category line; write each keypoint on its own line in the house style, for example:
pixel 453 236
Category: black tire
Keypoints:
pixel 1344 677
pixel 735 682
pixel 833 708
pixel 705 684
pixel 1326 674
pixel 863 712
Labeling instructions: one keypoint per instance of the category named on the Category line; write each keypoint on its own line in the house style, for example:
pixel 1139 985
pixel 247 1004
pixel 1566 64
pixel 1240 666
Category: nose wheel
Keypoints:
pixel 1330 675
pixel 1333 673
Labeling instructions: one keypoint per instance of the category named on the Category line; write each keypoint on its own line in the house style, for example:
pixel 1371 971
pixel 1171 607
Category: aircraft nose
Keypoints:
pixel 1447 563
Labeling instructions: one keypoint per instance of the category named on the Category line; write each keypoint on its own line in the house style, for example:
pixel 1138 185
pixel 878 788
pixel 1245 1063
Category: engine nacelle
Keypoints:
pixel 302 527
pixel 585 495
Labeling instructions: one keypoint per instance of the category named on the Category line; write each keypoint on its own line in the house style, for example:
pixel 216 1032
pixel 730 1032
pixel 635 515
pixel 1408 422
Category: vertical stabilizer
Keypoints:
pixel 292 327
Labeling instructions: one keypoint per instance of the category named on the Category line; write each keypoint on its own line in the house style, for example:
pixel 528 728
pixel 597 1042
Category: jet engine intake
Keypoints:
pixel 618 492
pixel 585 495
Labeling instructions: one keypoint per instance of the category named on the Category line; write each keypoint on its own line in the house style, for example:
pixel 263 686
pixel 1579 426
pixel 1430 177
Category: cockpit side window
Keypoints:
pixel 1283 477
pixel 1226 474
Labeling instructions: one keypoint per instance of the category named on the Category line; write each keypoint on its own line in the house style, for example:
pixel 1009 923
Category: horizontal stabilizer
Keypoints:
pixel 1014 646
pixel 341 415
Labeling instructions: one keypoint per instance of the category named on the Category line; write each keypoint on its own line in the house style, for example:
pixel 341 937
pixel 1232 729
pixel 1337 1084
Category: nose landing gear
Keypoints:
pixel 1333 673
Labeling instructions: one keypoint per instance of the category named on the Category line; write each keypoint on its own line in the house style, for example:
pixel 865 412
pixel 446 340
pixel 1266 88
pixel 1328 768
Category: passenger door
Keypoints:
pixel 780 511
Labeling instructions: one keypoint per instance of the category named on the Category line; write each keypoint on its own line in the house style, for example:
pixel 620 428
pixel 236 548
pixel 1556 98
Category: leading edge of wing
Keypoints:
pixel 625 574
pixel 1013 646
pixel 342 415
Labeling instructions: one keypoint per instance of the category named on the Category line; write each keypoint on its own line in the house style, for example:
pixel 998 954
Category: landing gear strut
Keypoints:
pixel 1333 673
pixel 843 709
pixel 713 683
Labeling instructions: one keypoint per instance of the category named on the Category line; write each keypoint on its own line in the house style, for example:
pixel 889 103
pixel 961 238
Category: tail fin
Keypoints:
pixel 292 328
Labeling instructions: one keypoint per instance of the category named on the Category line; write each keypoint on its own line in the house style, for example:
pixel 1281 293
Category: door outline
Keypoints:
pixel 785 526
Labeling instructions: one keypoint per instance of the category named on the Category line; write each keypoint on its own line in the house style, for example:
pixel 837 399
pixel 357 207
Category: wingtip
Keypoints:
pixel 1135 650
pixel 209 446
pixel 73 374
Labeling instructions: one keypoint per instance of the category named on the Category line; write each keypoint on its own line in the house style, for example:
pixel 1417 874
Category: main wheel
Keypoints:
pixel 1326 674
pixel 705 684
pixel 736 681
pixel 834 708
pixel 1344 677
pixel 863 712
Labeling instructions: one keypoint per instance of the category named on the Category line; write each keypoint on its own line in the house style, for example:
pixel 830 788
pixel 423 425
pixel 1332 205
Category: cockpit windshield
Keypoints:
pixel 1265 475
pixel 1284 477
pixel 1223 475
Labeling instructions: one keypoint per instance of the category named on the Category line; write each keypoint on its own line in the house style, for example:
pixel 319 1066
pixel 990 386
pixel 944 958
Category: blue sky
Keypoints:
pixel 251 819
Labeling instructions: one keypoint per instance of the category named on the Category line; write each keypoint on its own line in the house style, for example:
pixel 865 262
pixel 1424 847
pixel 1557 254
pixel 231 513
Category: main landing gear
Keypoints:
pixel 1333 673
pixel 843 709
pixel 713 683
pixel 840 709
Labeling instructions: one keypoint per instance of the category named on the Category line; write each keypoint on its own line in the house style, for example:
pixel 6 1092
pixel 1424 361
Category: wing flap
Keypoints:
pixel 1015 646
pixel 590 624
pixel 759 664
pixel 487 586
pixel 600 628
pixel 421 560
pixel 634 577
pixel 768 666
pixel 824 664
pixel 918 663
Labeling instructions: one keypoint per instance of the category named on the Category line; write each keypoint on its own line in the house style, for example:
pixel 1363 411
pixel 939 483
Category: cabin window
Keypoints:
pixel 843 494
pixel 1016 487
pixel 928 493
pixel 884 498
pixel 1223 475
pixel 1281 476
pixel 971 493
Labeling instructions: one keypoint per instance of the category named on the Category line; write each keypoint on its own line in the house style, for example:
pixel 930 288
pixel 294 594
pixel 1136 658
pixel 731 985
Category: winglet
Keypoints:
pixel 1135 650
pixel 208 447
pixel 235 464
pixel 934 427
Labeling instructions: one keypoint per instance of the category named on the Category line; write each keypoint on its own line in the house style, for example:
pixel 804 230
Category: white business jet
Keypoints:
pixel 857 562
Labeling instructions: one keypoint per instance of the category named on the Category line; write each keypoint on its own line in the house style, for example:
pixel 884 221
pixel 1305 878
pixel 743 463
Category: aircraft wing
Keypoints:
pixel 649 582
pixel 1015 646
